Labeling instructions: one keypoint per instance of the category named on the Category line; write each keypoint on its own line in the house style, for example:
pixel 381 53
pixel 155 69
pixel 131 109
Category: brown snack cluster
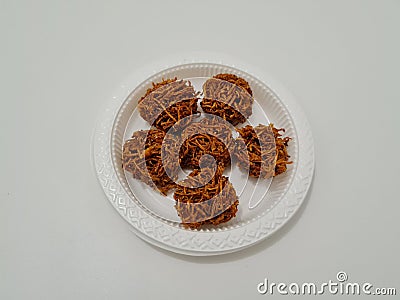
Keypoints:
pixel 262 151
pixel 141 156
pixel 211 136
pixel 235 80
pixel 229 97
pixel 214 202
pixel 205 197
pixel 167 103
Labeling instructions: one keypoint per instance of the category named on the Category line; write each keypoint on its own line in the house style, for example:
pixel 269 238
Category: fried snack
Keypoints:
pixel 211 136
pixel 229 97
pixel 168 102
pixel 142 157
pixel 262 151
pixel 214 202
pixel 235 80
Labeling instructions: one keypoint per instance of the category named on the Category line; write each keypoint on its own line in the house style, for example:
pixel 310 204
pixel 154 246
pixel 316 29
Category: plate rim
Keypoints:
pixel 115 193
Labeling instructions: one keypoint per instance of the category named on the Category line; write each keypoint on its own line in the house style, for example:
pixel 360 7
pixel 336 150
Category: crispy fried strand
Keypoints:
pixel 167 103
pixel 142 157
pixel 235 80
pixel 229 97
pixel 262 151
pixel 211 136
pixel 213 203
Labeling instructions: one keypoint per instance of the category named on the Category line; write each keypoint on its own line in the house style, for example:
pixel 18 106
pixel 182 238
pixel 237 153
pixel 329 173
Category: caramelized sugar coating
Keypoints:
pixel 209 201
pixel 229 97
pixel 141 156
pixel 262 151
pixel 212 136
pixel 167 103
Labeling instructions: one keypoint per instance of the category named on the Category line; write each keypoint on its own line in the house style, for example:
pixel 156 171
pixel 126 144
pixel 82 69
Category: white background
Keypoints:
pixel 61 60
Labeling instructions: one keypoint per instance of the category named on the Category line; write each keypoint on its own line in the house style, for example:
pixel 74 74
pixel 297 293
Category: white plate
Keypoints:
pixel 153 216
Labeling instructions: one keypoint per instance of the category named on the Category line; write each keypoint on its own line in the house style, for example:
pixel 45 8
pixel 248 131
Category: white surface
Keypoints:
pixel 60 239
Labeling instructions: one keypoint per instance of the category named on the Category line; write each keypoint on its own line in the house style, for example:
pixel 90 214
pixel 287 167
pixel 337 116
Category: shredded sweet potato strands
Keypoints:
pixel 167 103
pixel 229 97
pixel 236 81
pixel 142 157
pixel 210 136
pixel 205 197
pixel 213 203
pixel 262 152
